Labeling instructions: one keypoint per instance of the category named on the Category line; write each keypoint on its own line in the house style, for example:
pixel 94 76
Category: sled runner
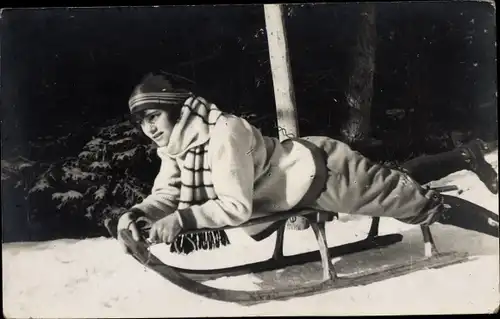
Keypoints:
pixel 191 280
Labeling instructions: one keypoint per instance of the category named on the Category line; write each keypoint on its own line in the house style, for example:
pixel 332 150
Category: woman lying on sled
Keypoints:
pixel 218 170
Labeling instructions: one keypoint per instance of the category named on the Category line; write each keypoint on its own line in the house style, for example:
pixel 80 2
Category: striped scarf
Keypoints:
pixel 188 143
pixel 196 178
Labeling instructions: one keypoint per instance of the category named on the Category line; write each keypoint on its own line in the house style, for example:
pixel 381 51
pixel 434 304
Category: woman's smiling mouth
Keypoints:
pixel 157 135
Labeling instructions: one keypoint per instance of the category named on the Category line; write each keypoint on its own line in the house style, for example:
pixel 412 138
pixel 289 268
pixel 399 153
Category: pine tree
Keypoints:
pixel 98 182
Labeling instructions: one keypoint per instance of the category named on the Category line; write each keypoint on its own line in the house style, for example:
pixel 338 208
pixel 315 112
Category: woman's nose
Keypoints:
pixel 152 128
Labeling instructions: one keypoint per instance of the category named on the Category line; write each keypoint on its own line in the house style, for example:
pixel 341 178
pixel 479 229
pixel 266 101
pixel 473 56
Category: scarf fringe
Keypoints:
pixel 185 244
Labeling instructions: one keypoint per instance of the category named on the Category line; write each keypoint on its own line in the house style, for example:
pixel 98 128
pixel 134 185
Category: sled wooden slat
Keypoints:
pixel 140 251
pixel 265 219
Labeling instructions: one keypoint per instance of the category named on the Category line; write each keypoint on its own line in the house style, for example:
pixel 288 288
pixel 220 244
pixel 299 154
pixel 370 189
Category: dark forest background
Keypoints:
pixel 70 157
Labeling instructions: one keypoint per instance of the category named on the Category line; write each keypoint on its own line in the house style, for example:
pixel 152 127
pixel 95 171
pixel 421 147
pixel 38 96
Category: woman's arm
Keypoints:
pixel 232 169
pixel 165 192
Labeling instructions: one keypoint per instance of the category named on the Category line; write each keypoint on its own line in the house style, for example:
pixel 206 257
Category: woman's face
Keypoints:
pixel 156 125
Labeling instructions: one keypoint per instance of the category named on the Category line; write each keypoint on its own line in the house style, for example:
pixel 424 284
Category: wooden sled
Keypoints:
pixel 191 280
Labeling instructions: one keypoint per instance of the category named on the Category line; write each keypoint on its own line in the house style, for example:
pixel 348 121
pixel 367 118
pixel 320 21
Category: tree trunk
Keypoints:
pixel 286 111
pixel 360 86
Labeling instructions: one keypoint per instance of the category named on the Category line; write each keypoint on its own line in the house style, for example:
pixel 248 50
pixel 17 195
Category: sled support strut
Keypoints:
pixel 278 247
pixel 326 263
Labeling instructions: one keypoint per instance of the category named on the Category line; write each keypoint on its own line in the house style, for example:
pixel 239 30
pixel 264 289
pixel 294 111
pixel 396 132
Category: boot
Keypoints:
pixel 467 215
pixel 473 154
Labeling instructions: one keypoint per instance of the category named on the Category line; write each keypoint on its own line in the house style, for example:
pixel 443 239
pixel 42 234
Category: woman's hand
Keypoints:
pixel 126 222
pixel 165 230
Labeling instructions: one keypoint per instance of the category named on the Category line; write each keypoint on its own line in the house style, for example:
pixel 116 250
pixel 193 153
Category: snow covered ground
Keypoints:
pixel 93 278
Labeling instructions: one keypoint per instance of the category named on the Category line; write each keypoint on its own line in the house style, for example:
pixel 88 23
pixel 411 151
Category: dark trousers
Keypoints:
pixel 463 214
pixel 427 168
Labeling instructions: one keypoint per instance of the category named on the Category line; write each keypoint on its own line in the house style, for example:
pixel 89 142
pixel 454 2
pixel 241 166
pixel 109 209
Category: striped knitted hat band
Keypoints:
pixel 143 101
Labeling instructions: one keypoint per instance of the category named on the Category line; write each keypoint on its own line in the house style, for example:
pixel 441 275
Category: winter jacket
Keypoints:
pixel 255 175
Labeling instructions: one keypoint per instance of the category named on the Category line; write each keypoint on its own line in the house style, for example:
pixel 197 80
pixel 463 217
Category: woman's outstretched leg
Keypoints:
pixel 427 168
pixel 464 214
pixel 356 185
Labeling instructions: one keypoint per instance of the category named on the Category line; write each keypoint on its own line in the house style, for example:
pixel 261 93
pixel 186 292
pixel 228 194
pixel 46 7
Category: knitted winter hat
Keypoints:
pixel 155 91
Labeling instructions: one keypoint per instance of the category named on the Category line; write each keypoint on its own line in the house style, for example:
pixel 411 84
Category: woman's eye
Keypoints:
pixel 152 117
